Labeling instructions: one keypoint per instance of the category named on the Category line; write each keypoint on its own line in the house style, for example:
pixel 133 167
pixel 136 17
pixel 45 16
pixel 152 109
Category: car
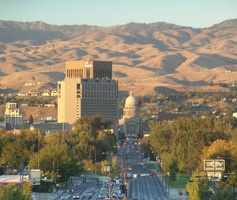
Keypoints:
pixel 64 197
pixel 136 175
pixel 102 195
pixel 114 194
pixel 76 196
pixel 88 195
pixel 214 179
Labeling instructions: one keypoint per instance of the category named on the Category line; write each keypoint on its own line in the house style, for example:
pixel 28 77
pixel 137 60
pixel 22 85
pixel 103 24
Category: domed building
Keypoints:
pixel 130 123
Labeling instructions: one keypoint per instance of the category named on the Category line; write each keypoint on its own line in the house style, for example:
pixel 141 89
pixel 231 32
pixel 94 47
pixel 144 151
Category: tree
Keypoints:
pixel 31 119
pixel 14 153
pixel 10 192
pixel 221 149
pixel 198 189
pixel 187 135
pixel 99 123
pixel 57 153
pixel 2 119
pixel 95 123
pixel 114 163
pixel 88 165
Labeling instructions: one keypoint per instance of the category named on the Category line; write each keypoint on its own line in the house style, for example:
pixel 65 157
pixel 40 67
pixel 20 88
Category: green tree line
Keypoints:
pixel 182 146
pixel 64 153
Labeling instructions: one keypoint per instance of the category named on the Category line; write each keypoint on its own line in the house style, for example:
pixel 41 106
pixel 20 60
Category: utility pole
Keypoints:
pixel 56 178
pixel 38 149
pixel 95 161
pixel 122 172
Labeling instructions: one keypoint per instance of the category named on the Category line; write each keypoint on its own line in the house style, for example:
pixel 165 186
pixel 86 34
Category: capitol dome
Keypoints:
pixel 131 100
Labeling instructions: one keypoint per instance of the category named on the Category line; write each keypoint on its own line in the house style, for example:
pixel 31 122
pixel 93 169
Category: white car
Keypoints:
pixel 76 196
pixel 64 197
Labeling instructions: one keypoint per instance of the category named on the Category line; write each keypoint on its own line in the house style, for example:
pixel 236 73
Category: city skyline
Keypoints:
pixel 196 14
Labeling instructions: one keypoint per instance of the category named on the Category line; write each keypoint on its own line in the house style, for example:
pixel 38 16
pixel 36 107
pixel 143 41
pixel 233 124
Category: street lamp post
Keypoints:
pixel 95 161
pixel 55 180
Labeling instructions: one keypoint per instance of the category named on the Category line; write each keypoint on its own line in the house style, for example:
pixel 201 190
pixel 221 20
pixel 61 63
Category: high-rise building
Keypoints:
pixel 13 115
pixel 88 89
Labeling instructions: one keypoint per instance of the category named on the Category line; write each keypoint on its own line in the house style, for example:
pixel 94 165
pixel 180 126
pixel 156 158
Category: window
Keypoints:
pixel 78 86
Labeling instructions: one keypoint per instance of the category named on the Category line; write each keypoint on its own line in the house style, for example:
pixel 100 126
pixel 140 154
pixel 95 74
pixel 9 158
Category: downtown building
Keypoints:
pixel 13 115
pixel 88 89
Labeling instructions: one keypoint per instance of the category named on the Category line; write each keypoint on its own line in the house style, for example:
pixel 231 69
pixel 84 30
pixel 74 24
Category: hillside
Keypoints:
pixel 146 57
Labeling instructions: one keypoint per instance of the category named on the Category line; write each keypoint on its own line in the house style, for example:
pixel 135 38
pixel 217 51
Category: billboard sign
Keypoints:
pixel 35 176
pixel 214 165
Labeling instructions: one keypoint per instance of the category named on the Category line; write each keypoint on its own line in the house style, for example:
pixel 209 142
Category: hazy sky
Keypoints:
pixel 193 13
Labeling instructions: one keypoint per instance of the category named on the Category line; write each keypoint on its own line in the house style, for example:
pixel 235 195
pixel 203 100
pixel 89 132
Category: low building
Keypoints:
pixel 2 124
pixel 48 128
pixel 13 179
pixel 165 117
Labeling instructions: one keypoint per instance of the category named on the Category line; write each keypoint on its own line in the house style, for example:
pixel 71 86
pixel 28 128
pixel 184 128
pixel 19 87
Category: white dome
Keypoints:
pixel 131 100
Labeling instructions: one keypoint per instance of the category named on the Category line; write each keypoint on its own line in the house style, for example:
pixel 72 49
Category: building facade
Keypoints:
pixel 13 115
pixel 89 69
pixel 131 123
pixel 88 89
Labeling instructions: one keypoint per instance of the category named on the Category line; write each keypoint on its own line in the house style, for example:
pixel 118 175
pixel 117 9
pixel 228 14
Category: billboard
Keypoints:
pixel 35 176
pixel 214 165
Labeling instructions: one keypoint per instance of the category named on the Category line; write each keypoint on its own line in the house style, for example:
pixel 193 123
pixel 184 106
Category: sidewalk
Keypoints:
pixel 175 193
pixel 172 193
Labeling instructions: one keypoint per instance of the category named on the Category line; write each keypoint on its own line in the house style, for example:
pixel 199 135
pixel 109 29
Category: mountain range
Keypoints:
pixel 147 58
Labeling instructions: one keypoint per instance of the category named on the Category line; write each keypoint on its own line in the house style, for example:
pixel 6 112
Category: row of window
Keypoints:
pixel 102 73
pixel 100 95
pixel 97 86
pixel 12 121
pixel 108 115
pixel 14 115
pixel 74 73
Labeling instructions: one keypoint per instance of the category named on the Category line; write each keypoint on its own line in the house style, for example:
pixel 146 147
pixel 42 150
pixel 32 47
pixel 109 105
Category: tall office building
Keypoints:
pixel 88 89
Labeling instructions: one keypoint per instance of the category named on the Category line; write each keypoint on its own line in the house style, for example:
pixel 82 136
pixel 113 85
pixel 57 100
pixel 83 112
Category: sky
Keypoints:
pixel 191 13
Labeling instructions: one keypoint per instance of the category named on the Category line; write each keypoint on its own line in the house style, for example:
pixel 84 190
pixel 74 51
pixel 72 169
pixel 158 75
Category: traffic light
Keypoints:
pixel 225 177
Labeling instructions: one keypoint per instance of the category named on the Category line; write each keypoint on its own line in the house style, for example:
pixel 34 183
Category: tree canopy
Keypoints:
pixel 64 153
pixel 186 139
